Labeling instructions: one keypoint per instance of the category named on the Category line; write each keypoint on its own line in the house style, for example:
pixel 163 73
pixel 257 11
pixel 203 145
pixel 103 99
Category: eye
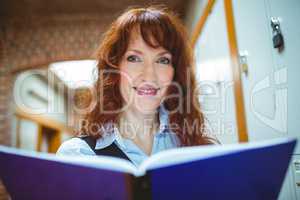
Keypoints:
pixel 133 58
pixel 164 60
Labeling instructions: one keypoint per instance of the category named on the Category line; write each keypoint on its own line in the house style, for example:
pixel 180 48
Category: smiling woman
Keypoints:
pixel 147 99
pixel 148 73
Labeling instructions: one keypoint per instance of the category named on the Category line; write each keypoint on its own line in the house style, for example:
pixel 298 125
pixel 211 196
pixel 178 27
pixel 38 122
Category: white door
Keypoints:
pixel 214 76
pixel 271 88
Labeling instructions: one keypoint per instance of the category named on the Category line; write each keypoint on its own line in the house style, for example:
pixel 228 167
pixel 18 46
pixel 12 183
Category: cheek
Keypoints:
pixel 128 77
pixel 126 82
pixel 165 76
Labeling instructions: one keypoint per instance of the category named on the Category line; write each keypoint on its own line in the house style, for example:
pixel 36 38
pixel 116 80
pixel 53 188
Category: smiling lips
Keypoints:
pixel 146 90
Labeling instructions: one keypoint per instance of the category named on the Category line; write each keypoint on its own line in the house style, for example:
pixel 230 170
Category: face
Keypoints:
pixel 146 73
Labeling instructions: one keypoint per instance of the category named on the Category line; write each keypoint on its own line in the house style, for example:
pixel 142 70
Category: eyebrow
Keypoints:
pixel 140 52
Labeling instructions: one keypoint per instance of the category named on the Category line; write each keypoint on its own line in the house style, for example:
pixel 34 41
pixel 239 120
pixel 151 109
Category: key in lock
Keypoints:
pixel 278 40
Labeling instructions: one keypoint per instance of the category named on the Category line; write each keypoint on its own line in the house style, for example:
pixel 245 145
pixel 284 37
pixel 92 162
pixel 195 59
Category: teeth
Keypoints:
pixel 150 91
pixel 147 91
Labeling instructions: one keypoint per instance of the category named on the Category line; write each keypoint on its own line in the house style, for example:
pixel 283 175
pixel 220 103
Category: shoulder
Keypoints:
pixel 74 146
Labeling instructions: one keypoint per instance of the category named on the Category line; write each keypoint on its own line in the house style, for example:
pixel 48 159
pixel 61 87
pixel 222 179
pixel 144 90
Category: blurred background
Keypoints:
pixel 246 62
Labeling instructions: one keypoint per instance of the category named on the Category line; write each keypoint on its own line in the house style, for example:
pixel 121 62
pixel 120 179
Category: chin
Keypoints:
pixel 147 112
pixel 147 108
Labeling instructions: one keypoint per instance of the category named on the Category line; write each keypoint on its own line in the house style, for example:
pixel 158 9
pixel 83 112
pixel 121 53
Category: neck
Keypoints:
pixel 137 126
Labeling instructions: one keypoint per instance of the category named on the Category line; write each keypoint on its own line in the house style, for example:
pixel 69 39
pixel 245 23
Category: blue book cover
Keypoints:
pixel 238 171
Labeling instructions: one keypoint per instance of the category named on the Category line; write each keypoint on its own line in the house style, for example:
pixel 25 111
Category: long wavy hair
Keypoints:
pixel 158 23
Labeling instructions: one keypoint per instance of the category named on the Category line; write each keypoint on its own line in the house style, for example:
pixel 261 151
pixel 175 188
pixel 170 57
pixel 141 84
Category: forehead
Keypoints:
pixel 136 41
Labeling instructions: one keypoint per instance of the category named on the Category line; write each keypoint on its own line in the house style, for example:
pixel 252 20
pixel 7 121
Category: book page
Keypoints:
pixel 189 154
pixel 99 162
pixel 159 160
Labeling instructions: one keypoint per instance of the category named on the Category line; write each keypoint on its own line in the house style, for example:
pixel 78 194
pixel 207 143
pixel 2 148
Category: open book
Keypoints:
pixel 238 171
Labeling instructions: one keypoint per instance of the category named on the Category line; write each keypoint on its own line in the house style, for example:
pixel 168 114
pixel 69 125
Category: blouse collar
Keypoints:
pixel 112 133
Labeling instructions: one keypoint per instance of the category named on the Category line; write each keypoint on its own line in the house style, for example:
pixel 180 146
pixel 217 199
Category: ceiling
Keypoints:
pixel 105 8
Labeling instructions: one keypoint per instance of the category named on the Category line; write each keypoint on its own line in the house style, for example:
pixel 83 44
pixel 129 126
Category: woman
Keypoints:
pixel 147 98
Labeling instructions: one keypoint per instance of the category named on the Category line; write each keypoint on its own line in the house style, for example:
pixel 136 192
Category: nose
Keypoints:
pixel 149 73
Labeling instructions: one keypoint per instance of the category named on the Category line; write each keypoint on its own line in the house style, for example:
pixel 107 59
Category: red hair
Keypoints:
pixel 168 32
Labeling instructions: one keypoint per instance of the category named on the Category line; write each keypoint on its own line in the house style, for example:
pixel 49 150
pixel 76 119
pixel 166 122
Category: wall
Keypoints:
pixel 39 42
pixel 271 88
pixel 214 72
pixel 195 9
pixel 35 42
pixel 271 93
pixel 33 93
